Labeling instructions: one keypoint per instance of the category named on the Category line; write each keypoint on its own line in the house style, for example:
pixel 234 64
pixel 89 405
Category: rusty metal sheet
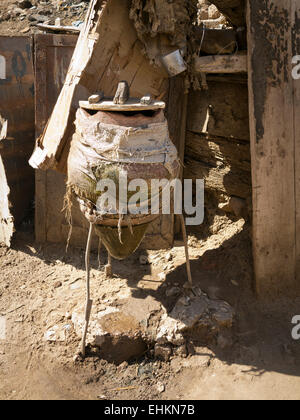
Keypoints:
pixel 17 122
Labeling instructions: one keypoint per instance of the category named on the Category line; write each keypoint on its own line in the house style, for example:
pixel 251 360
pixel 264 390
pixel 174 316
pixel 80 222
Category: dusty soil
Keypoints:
pixel 40 285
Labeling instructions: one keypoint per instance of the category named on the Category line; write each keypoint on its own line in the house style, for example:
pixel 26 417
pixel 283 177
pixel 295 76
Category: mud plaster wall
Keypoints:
pixel 218 149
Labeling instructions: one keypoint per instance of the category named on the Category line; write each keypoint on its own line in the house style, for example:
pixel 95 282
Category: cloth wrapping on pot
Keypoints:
pixel 107 145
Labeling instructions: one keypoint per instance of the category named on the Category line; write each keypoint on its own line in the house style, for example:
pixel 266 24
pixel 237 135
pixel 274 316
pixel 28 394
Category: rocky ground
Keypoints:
pixel 19 17
pixel 42 294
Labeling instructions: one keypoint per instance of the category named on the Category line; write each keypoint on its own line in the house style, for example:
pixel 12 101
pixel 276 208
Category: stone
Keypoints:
pixel 123 93
pixel 222 313
pixel 143 260
pixel 213 12
pixel 146 100
pixel 57 284
pixel 24 4
pixel 55 333
pixel 38 18
pixel 234 205
pixel 162 276
pixel 174 291
pixel 17 11
pixel 94 99
pixel 119 333
pixel 181 351
pixel 237 205
pixel 6 16
pixel 169 256
pixel 197 317
pixel 197 361
pixel 162 352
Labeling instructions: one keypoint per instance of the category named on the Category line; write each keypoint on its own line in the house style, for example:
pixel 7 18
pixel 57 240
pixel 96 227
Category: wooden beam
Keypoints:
pixel 236 63
pixel 177 120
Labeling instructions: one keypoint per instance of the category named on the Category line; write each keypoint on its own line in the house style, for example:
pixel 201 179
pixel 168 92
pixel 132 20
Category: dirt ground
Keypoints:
pixel 40 285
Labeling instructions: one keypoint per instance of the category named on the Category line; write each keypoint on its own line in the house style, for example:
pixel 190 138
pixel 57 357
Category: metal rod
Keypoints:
pixel 185 240
pixel 89 302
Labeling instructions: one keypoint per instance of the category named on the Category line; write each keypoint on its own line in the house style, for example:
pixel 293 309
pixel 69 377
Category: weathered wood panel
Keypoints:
pixel 17 108
pixel 6 219
pixel 273 112
pixel 233 63
pixel 296 89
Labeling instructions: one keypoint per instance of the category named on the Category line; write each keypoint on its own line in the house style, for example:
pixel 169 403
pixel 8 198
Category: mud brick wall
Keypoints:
pixel 218 143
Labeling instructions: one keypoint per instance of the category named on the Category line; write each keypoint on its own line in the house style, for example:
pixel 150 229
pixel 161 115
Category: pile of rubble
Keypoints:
pixel 22 16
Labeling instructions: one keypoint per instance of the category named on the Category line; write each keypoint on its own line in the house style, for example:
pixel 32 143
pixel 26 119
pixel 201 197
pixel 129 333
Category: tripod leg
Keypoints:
pixel 89 302
pixel 185 240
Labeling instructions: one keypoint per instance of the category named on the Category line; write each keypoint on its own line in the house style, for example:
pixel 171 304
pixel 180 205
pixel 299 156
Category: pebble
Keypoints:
pixel 143 259
pixel 160 387
pixel 169 256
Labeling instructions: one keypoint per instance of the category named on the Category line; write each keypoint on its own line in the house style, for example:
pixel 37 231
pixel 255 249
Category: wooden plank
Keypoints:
pixel 296 89
pixel 272 146
pixel 17 109
pixel 235 63
pixel 130 105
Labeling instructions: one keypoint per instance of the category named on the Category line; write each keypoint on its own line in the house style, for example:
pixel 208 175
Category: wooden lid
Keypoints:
pixel 130 105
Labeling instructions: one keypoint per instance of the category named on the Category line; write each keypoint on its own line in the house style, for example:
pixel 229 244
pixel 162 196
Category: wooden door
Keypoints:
pixel 273 40
pixel 16 132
